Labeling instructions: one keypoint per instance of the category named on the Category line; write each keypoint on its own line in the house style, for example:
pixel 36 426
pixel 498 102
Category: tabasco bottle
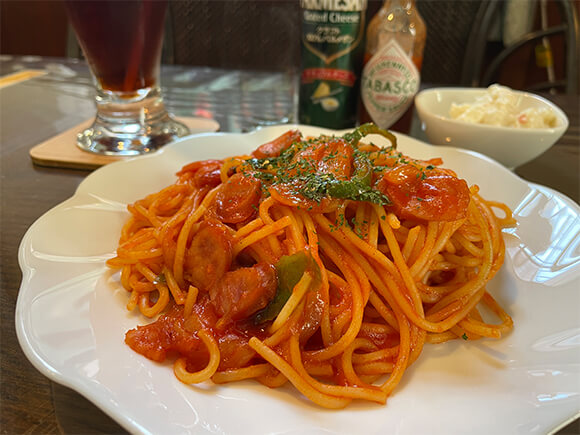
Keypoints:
pixel 393 56
pixel 332 56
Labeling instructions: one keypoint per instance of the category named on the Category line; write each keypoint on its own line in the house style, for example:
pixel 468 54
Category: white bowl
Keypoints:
pixel 510 146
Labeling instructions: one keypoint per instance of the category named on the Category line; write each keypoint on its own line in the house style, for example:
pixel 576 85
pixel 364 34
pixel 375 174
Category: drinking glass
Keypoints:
pixel 122 42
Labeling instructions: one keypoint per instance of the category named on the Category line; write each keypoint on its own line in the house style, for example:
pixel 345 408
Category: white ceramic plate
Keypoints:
pixel 71 319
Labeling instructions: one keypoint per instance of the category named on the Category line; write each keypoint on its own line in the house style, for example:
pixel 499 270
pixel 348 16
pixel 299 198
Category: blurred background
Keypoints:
pixel 463 37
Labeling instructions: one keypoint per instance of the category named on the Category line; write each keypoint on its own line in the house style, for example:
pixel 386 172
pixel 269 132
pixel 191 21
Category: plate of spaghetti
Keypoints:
pixel 312 281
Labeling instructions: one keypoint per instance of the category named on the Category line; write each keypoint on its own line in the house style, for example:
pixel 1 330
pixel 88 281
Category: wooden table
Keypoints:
pixel 34 110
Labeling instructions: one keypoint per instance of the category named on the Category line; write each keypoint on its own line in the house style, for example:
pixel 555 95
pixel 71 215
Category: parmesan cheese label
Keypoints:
pixel 332 52
pixel 390 81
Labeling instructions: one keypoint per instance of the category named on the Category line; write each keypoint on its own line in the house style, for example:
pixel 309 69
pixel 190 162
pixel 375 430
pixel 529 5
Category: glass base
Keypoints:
pixel 129 127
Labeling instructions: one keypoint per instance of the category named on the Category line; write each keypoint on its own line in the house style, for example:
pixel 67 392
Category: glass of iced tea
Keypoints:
pixel 122 42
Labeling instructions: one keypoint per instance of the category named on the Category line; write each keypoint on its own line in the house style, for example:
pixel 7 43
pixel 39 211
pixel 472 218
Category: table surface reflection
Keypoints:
pixel 34 110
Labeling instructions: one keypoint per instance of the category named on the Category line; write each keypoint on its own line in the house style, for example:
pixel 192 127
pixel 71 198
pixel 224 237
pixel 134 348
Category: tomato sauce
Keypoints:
pixel 172 335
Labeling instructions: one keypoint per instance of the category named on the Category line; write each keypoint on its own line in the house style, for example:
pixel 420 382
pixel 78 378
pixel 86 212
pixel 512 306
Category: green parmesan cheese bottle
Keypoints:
pixel 332 51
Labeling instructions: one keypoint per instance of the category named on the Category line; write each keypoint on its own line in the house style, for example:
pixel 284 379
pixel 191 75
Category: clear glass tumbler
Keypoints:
pixel 122 42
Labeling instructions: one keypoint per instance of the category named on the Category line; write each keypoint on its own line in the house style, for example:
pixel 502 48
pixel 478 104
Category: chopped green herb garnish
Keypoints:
pixel 300 171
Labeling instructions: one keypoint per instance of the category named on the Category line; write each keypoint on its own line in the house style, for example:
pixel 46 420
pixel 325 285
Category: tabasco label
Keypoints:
pixel 332 44
pixel 389 84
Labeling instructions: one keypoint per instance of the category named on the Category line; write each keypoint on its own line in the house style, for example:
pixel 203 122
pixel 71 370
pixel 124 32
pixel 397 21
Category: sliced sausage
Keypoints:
pixel 425 194
pixel 275 147
pixel 237 199
pixel 243 292
pixel 209 256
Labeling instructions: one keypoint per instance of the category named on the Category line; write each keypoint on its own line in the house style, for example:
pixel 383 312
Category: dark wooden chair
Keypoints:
pixel 459 52
pixel 246 34
pixel 477 71
pixel 449 24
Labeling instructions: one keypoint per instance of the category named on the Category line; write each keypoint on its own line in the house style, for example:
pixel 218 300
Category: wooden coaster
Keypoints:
pixel 61 151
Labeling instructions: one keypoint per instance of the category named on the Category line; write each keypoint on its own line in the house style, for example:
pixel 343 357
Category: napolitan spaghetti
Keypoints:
pixel 326 262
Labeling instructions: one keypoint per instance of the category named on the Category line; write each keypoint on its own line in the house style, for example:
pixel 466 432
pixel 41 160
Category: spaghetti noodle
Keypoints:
pixel 324 262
